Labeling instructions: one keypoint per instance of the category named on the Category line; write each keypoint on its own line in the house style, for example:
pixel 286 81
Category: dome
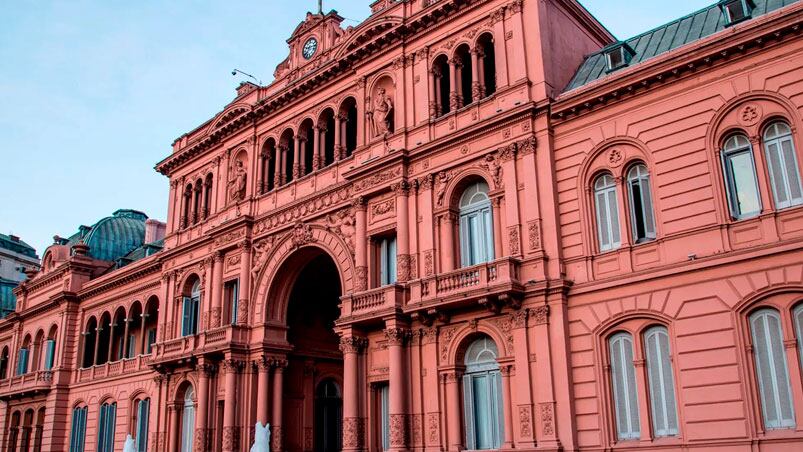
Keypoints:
pixel 113 237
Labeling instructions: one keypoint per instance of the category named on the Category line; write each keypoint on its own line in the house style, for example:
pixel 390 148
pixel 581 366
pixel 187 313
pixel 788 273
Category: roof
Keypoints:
pixel 142 252
pixel 678 33
pixel 8 302
pixel 112 237
pixel 17 245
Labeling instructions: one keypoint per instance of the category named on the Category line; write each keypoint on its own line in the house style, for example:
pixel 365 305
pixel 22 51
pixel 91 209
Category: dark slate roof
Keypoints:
pixel 142 252
pixel 112 237
pixel 17 246
pixel 680 32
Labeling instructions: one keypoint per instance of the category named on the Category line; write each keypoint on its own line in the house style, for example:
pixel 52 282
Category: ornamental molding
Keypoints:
pixel 307 208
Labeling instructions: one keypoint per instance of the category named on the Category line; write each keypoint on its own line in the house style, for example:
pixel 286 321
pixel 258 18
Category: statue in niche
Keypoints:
pixel 382 116
pixel 237 182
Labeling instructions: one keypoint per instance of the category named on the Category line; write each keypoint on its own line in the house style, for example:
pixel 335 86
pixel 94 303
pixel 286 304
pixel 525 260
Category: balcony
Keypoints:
pixel 113 369
pixel 25 385
pixel 206 341
pixel 489 284
pixel 383 300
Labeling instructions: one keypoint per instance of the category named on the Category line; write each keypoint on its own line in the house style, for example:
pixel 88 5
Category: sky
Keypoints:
pixel 93 93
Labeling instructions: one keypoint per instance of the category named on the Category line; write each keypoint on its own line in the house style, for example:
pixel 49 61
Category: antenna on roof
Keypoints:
pixel 320 7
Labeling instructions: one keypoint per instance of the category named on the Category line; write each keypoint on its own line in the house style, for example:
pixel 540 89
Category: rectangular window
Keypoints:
pixel 151 341
pixel 740 178
pixel 386 248
pixel 78 432
pixel 384 414
pixel 623 380
pixel 231 293
pixel 132 346
pixel 736 10
pixel 782 165
pixel 106 423
pixel 50 352
pixel 143 413
pixel 189 314
pixel 22 362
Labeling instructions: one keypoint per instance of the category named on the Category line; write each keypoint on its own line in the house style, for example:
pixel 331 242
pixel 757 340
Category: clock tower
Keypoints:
pixel 311 44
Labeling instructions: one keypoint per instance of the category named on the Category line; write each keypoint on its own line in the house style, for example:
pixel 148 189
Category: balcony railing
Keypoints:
pixel 204 341
pixel 39 381
pixel 491 278
pixel 113 369
pixel 382 299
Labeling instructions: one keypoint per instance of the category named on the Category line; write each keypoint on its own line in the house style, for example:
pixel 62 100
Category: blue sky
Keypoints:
pixel 92 93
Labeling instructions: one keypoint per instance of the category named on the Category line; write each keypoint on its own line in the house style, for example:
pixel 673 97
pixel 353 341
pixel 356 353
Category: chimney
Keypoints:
pixel 154 230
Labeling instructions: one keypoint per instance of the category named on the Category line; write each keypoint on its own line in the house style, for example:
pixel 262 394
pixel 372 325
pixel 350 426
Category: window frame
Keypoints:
pixel 778 141
pixel 490 372
pixel 786 423
pixel 731 189
pixel 614 233
pixel 231 292
pixel 78 429
pixel 476 226
pixel 386 251
pixel 667 431
pixel 190 307
pixel 107 423
pixel 647 203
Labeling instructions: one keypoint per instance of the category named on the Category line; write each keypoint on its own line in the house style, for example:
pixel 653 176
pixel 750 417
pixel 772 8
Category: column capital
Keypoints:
pixel 359 203
pixel 540 315
pixel 401 189
pixel 233 365
pixel 397 336
pixel 353 344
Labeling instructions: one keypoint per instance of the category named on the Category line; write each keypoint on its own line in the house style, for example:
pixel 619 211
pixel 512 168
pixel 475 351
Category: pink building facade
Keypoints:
pixel 460 225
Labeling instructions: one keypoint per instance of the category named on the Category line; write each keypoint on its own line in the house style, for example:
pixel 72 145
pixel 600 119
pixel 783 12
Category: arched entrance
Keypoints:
pixel 312 410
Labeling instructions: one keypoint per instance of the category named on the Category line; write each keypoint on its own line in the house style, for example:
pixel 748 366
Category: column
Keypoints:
pixel 278 388
pixel 142 333
pixel 397 335
pixel 361 257
pixel 262 390
pixel 245 283
pixel 506 370
pixel 112 326
pixel 217 289
pixel 353 421
pixel 201 439
pixel 475 75
pixel 451 380
pixel 298 160
pixel 496 204
pixel 231 435
pixel 279 179
pixel 126 339
pixel 174 432
pixel 338 136
pixel 434 93
pixel 316 148
pixel 447 242
pixel 402 191
pixel 98 330
pixel 453 97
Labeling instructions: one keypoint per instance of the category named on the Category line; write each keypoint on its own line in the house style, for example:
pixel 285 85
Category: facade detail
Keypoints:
pixel 460 225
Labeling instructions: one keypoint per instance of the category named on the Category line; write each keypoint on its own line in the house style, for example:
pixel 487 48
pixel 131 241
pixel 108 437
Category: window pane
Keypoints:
pixel 793 176
pixel 482 414
pixel 385 407
pixel 613 214
pixel 602 223
pixel 799 328
pixel 743 180
pixel 623 376
pixel 773 377
pixel 661 382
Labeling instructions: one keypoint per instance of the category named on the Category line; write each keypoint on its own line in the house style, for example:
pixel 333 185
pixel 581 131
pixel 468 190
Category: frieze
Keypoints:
pixel 302 235
pixel 492 163
pixel 383 209
pixel 378 179
pixel 306 208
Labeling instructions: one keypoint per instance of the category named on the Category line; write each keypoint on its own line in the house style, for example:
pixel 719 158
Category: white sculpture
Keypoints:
pixel 261 438
pixel 129 445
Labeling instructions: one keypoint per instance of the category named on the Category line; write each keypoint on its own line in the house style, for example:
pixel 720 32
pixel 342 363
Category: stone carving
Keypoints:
pixel 302 235
pixel 540 315
pixel 416 428
pixel 505 325
pixel 535 235
pixel 615 157
pixel 353 433
pixel 304 208
pixel 429 263
pixel 413 267
pixel 242 312
pixel 525 421
pixel 403 267
pixel 513 241
pixel 750 114
pixel 383 208
pixel 547 419
pixel 442 181
pixel 276 438
pixel 398 430
pixel 397 336
pixel 492 163
pixel 446 335
pixel 343 224
pixel 433 429
pixel 261 253
pixel 361 279
pixel 378 179
pixel 353 344
pixel 231 438
pixel 237 183
pixel 382 119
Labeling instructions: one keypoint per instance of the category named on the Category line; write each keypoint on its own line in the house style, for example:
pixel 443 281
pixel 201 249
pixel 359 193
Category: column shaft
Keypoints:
pixel 231 437
pixel 217 290
pixel 361 239
pixel 276 424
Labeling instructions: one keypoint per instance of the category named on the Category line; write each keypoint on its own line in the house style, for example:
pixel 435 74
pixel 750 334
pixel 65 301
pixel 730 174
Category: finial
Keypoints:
pixel 320 7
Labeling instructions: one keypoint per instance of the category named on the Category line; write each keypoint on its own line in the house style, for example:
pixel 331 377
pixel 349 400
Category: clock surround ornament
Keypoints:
pixel 310 48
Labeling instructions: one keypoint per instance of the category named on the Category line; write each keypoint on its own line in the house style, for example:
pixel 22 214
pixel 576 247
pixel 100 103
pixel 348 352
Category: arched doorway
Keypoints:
pixel 312 407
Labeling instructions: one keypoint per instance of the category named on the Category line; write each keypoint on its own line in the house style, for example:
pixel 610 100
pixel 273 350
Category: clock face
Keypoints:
pixel 310 47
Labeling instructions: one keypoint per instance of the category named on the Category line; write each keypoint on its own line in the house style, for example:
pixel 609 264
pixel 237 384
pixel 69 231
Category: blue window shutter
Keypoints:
pixel 468 407
pixel 186 310
pixel 50 352
pixel 391 260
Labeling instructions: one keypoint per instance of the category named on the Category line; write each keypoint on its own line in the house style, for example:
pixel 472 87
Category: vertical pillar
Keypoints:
pixel 434 93
pixel 201 439
pixel 446 225
pixel 454 431
pixel 174 432
pixel 361 257
pixel 298 158
pixel 278 388
pixel 506 370
pixel 98 330
pixel 338 136
pixel 496 204
pixel 217 289
pixel 353 421
pixel 231 434
pixel 402 191
pixel 476 82
pixel 126 339
pixel 316 149
pixel 112 326
pixel 453 96
pixel 142 333
pixel 245 283
pixel 397 335
pixel 262 390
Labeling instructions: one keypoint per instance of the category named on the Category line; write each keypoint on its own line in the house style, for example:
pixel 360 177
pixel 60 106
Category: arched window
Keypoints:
pixel 50 353
pixel 188 420
pixel 464 75
pixel 782 165
pixel 189 310
pixel 329 413
pixel 4 364
pixel 442 83
pixel 798 314
pixel 78 431
pixel 607 213
pixel 196 207
pixel 476 226
pixel 24 356
pixel 771 370
pixel 625 392
pixel 107 419
pixel 740 177
pixel 186 217
pixel 487 64
pixel 90 337
pixel 641 211
pixel 482 396
pixel 207 196
pixel 141 414
pixel 661 382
